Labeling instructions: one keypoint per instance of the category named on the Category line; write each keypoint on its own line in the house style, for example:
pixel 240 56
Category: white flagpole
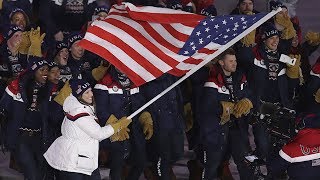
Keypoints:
pixel 208 59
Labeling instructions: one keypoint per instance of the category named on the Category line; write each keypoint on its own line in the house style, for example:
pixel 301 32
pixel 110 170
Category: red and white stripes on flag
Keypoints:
pixel 144 42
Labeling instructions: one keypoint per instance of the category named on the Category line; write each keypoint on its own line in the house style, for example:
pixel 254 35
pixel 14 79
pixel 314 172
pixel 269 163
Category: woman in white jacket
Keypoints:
pixel 75 153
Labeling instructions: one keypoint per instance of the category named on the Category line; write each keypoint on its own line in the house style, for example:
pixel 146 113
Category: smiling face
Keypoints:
pixel 41 74
pixel 76 50
pixel 54 75
pixel 272 42
pixel 62 57
pixel 295 41
pixel 87 96
pixel 19 19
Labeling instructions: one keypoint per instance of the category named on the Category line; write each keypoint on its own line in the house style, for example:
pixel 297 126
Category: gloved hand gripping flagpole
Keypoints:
pixel 207 60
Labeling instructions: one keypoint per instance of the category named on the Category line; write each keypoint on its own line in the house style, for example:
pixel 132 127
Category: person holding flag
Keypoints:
pixel 75 152
pixel 149 43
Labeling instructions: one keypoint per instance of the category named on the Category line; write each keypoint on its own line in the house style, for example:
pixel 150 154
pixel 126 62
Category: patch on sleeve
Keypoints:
pixel 316 162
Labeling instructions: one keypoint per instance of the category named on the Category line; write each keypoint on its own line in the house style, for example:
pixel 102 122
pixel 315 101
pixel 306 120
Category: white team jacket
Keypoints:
pixel 77 149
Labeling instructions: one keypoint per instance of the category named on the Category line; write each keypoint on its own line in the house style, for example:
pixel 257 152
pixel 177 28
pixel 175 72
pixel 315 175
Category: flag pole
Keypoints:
pixel 207 59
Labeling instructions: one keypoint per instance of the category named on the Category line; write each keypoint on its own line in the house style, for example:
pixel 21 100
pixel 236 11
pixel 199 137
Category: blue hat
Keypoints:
pixel 100 9
pixel 309 120
pixel 52 64
pixel 59 46
pixel 174 4
pixel 74 37
pixel 35 63
pixel 269 30
pixel 209 11
pixel 79 86
pixel 11 30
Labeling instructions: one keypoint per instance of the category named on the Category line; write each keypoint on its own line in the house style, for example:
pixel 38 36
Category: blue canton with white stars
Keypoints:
pixel 219 29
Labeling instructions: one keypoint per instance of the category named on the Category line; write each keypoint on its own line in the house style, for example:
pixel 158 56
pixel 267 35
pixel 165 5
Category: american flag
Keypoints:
pixel 146 42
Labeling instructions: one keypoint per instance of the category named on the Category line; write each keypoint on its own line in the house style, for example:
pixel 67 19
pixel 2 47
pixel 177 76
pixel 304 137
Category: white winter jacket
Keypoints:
pixel 77 149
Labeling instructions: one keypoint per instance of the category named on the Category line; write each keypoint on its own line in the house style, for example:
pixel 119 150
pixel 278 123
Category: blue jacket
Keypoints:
pixel 11 65
pixel 111 98
pixel 260 77
pixel 167 111
pixel 197 81
pixel 210 110
pixel 56 113
pixel 246 55
pixel 55 17
pixel 82 69
pixel 14 102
